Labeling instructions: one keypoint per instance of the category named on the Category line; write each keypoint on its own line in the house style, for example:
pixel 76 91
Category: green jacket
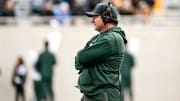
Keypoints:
pixel 127 65
pixel 99 64
pixel 45 63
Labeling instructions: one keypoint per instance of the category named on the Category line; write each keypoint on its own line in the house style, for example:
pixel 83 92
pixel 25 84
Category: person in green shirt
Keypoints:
pixel 127 66
pixel 99 62
pixel 44 65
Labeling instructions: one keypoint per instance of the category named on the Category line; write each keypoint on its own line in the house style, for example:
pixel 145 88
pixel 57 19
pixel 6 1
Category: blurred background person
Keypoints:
pixel 146 10
pixel 45 63
pixel 127 66
pixel 125 7
pixel 47 12
pixel 36 6
pixel 2 3
pixel 77 8
pixel 62 12
pixel 8 10
pixel 47 9
pixel 19 79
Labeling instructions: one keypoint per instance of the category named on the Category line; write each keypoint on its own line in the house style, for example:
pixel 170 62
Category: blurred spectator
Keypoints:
pixel 62 12
pixel 127 66
pixel 71 4
pixel 135 3
pixel 125 7
pixel 117 3
pixel 145 9
pixel 56 1
pixel 150 3
pixel 37 6
pixel 2 3
pixel 81 6
pixel 47 9
pixel 8 9
pixel 77 8
pixel 44 65
pixel 19 79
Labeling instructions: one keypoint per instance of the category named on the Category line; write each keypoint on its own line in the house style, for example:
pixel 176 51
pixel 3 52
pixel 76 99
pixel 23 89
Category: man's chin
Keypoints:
pixel 96 29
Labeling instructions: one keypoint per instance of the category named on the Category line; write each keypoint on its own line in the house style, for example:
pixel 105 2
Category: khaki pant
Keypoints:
pixel 85 98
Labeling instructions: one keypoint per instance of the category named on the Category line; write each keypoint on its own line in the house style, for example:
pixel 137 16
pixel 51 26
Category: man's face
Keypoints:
pixel 98 23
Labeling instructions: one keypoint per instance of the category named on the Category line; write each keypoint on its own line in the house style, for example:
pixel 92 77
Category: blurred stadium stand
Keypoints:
pixel 168 14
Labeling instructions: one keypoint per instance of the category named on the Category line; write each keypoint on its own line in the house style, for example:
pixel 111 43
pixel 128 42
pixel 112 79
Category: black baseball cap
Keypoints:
pixel 100 9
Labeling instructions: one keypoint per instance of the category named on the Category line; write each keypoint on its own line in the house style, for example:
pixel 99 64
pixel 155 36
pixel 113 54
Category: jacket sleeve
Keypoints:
pixel 94 53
